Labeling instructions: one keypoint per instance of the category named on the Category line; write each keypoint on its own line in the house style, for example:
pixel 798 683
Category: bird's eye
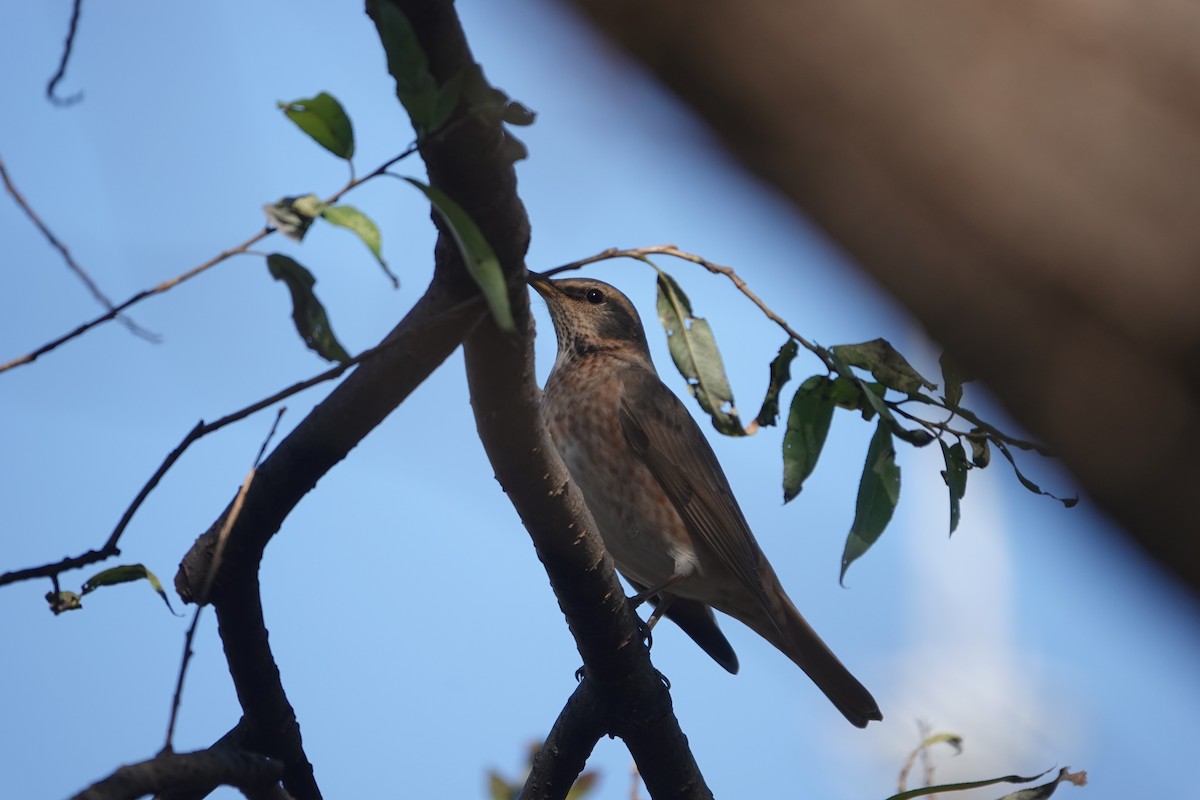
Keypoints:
pixel 594 296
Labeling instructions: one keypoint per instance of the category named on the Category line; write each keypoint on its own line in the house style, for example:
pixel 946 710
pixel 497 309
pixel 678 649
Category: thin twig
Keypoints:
pixel 76 7
pixel 641 253
pixel 234 510
pixel 67 257
pixel 200 430
pixel 193 272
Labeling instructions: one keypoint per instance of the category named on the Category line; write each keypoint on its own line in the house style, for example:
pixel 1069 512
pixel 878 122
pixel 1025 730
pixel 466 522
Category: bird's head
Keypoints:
pixel 591 316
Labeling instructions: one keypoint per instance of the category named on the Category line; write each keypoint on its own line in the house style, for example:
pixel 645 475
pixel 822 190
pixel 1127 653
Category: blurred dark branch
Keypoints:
pixel 1023 177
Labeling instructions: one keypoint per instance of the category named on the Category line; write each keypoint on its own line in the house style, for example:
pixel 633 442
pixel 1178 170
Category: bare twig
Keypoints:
pixel 641 254
pixel 200 430
pixel 67 257
pixel 193 272
pixel 76 7
pixel 214 565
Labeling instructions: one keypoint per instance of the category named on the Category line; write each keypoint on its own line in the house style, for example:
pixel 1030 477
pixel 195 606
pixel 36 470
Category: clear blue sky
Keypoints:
pixel 415 630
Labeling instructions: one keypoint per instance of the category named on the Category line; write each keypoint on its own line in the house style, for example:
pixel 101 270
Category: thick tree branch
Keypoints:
pixel 1023 176
pixel 204 770
pixel 505 399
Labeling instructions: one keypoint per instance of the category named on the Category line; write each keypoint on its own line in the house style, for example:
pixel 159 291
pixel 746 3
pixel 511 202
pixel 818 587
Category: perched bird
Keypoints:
pixel 663 506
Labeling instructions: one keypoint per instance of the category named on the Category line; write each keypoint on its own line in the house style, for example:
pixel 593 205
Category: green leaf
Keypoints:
pixel 325 121
pixel 954 375
pixel 955 476
pixel 884 363
pixel 416 88
pixel 125 574
pixel 446 100
pixel 878 493
pixel 963 786
pixel 873 394
pixel 307 312
pixel 781 373
pixel 694 351
pixel 1068 502
pixel 807 425
pixel 292 216
pixel 477 254
pixel 364 227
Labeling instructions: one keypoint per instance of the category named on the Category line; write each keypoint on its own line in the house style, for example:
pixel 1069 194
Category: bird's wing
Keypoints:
pixel 668 440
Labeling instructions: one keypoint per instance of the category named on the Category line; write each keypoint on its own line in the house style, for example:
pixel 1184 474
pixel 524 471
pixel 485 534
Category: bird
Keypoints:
pixel 661 502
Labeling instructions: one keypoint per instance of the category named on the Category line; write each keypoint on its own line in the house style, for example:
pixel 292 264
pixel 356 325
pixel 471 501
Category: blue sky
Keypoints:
pixel 414 627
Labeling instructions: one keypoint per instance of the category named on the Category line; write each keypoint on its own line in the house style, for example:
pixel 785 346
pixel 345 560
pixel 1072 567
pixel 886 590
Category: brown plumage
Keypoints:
pixel 661 502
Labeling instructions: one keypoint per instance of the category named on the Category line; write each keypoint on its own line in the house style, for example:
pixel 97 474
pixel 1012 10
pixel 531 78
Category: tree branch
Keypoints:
pixel 257 776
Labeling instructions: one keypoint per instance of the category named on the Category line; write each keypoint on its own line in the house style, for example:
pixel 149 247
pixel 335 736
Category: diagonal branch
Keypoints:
pixel 91 285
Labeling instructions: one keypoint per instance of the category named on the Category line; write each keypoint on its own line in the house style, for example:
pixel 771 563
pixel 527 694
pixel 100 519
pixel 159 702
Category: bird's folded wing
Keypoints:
pixel 668 440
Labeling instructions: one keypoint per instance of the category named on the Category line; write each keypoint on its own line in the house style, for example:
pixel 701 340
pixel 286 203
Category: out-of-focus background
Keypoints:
pixel 414 627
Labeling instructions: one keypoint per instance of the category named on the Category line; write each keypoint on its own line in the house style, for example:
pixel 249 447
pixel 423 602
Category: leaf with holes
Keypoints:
pixel 878 493
pixel 325 121
pixel 307 312
pixel 807 426
pixel 781 373
pixel 477 254
pixel 694 351
pixel 884 363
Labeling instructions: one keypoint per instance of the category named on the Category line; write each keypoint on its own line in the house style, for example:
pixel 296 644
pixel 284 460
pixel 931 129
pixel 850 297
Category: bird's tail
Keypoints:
pixel 789 632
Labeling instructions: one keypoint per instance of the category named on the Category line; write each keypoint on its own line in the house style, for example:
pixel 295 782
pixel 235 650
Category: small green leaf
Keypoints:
pixel 125 574
pixel 955 476
pixel 884 363
pixel 1068 502
pixel 781 373
pixel 307 312
pixel 364 227
pixel 954 375
pixel 807 425
pixel 878 493
pixel 416 88
pixel 477 254
pixel 323 118
pixel 694 351
pixel 292 216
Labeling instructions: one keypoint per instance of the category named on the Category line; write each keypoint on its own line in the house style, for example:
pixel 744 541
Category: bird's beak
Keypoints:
pixel 543 285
